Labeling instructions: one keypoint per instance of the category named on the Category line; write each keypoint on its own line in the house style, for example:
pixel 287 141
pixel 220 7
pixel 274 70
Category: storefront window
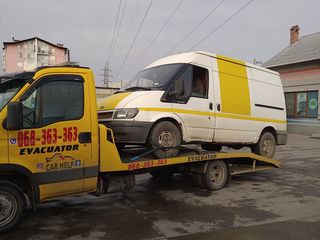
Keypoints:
pixel 302 104
pixel 290 104
pixel 312 104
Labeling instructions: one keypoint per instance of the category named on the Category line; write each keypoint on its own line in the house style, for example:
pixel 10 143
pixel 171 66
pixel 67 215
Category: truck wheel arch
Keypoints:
pixel 23 178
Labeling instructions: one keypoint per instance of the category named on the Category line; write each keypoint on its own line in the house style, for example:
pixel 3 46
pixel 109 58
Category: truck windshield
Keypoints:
pixel 8 89
pixel 158 78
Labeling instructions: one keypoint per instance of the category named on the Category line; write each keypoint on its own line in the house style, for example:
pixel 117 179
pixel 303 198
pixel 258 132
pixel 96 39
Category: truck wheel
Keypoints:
pixel 197 179
pixel 266 145
pixel 216 175
pixel 165 135
pixel 162 174
pixel 211 147
pixel 12 206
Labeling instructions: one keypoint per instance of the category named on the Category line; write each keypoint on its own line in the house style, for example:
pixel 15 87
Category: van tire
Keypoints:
pixel 266 145
pixel 13 204
pixel 211 147
pixel 164 134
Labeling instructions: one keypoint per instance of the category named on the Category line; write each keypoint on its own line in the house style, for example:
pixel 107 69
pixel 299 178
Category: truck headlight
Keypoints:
pixel 125 113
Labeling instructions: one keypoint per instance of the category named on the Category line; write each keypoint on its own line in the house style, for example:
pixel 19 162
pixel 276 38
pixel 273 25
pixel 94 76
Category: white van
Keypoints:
pixel 198 97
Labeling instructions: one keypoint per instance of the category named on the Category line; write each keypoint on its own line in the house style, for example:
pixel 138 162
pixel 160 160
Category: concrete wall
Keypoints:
pixel 27 55
pixel 10 59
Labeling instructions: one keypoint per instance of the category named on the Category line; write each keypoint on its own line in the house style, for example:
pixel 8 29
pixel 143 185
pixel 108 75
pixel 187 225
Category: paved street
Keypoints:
pixel 276 204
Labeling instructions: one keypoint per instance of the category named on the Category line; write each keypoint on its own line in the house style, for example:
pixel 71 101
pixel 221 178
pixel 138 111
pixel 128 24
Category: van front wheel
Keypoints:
pixel 165 139
pixel 266 145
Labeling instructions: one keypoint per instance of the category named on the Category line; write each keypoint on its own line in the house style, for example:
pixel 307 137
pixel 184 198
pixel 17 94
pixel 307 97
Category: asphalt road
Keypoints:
pixel 275 204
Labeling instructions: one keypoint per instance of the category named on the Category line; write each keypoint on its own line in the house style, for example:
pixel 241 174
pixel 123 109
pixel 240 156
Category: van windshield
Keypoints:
pixel 155 78
pixel 8 89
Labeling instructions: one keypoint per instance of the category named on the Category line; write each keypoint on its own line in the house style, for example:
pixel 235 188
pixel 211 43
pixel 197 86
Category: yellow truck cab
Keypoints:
pixel 51 145
pixel 49 124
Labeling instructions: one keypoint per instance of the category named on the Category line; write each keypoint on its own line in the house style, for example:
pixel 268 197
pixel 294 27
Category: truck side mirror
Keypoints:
pixel 14 116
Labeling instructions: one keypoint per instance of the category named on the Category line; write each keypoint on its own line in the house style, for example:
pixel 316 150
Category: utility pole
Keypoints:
pixel 106 75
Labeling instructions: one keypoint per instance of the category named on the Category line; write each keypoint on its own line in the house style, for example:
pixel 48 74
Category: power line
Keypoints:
pixel 133 15
pixel 114 30
pixel 135 37
pixel 156 36
pixel 218 27
pixel 196 27
pixel 120 24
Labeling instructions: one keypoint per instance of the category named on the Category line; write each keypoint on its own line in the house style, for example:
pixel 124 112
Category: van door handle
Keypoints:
pixel 210 106
pixel 84 137
pixel 218 107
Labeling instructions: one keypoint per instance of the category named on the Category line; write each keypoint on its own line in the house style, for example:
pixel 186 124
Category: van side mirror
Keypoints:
pixel 14 116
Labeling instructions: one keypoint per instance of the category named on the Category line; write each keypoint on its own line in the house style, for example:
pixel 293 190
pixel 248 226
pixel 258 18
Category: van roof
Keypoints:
pixel 187 57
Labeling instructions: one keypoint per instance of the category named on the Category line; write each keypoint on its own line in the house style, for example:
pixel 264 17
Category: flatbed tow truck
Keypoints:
pixel 51 145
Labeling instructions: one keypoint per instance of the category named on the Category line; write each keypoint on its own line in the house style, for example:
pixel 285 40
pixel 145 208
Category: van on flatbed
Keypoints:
pixel 199 97
pixel 51 145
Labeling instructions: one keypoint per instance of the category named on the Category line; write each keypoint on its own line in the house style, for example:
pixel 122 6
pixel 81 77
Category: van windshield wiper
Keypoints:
pixel 137 88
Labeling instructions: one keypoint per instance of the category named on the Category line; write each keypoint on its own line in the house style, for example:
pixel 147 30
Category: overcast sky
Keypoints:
pixel 86 27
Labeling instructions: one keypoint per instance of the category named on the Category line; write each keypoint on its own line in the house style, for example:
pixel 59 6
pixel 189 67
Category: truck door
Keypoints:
pixel 55 142
pixel 3 144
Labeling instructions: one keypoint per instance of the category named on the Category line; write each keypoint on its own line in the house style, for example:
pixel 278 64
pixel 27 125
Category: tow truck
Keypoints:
pixel 52 145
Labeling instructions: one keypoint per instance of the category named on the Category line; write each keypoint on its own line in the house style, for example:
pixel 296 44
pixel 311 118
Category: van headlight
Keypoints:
pixel 125 113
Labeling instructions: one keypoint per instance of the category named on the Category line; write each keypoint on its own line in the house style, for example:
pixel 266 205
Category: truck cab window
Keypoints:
pixel 53 101
pixel 200 82
pixel 8 90
pixel 30 112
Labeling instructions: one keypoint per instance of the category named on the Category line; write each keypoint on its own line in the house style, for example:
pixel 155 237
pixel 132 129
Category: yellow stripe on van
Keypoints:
pixel 112 101
pixel 212 114
pixel 234 86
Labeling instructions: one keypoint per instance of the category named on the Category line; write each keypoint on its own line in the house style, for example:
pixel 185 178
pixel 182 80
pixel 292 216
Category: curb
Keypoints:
pixel 315 135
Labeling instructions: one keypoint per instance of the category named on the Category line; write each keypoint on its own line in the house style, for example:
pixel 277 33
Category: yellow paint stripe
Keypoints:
pixel 112 101
pixel 221 115
pixel 234 86
pixel 173 110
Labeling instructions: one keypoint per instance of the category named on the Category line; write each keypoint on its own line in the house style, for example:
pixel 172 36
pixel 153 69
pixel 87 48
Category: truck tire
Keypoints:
pixel 266 145
pixel 197 179
pixel 12 206
pixel 216 175
pixel 211 147
pixel 166 136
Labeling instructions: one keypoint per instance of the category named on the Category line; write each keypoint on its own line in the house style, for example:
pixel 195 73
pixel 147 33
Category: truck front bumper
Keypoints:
pixel 130 132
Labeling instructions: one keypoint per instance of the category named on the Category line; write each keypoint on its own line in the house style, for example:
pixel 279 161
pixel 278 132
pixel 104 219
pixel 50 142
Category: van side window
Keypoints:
pixel 200 82
pixel 192 82
pixel 53 101
pixel 182 87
